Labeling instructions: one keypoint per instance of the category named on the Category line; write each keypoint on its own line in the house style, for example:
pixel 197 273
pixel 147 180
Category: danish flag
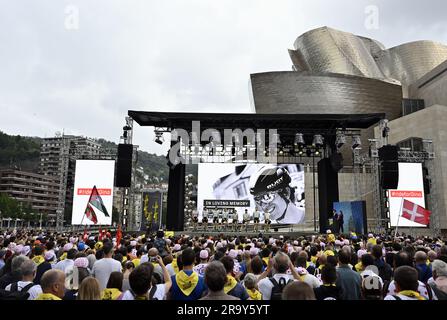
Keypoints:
pixel 416 213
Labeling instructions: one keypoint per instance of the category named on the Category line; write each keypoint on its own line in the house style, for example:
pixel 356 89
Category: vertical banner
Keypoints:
pixel 152 209
pixel 93 192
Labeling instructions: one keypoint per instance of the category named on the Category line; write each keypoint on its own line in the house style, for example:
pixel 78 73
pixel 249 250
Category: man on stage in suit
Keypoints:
pixel 340 222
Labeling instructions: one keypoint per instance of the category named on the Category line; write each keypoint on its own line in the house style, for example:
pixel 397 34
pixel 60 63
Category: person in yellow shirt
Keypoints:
pixel 53 285
pixel 113 290
pixel 136 261
pixel 371 239
pixel 330 237
pixel 251 287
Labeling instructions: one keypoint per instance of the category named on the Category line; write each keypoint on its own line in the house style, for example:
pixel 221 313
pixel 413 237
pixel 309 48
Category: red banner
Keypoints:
pixel 88 191
pixel 406 194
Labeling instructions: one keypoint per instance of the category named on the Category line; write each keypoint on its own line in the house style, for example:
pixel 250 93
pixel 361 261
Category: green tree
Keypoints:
pixel 9 207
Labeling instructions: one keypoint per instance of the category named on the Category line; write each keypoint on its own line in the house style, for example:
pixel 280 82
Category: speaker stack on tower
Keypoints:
pixel 327 190
pixel 389 168
pixel 124 166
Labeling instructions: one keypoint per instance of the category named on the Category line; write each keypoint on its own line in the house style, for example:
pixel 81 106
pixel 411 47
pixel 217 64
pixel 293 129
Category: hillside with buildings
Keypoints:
pixel 23 153
pixel 37 174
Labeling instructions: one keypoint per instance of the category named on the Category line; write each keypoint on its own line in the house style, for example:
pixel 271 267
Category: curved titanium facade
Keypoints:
pixel 301 92
pixel 329 50
pixel 409 62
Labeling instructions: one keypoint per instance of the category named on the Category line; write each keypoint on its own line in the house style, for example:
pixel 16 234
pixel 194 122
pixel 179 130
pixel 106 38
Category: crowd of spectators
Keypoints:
pixel 38 265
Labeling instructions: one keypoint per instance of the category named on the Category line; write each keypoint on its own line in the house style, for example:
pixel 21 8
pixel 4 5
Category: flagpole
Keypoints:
pixel 82 220
pixel 398 218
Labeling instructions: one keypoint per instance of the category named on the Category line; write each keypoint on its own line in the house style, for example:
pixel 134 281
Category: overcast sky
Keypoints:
pixel 60 71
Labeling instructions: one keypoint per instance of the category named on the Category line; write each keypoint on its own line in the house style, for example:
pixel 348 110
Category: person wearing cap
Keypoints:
pixel 200 268
pixel 272 192
pixel 372 239
pixel 330 236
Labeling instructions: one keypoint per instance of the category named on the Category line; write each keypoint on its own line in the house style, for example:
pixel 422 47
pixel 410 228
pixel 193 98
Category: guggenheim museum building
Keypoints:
pixel 342 73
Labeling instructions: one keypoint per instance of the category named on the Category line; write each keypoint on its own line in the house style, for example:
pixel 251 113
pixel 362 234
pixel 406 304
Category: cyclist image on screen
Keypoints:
pixel 272 192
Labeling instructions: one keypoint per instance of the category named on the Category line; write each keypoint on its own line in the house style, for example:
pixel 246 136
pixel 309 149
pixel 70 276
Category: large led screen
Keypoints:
pixel 277 190
pixel 93 192
pixel 411 188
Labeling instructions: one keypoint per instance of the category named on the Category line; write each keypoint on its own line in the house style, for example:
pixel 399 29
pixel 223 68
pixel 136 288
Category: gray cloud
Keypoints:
pixel 193 55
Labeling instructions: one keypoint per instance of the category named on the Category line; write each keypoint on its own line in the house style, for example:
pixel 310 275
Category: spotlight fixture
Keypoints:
pixel 340 140
pixel 356 142
pixel 278 139
pixel 159 137
pixel 299 140
pixel 318 141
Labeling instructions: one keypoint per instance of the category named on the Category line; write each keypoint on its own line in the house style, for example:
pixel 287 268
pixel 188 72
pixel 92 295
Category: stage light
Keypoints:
pixel 277 137
pixel 159 137
pixel 340 140
pixel 300 152
pixel 299 140
pixel 318 141
pixel 356 142
pixel 317 152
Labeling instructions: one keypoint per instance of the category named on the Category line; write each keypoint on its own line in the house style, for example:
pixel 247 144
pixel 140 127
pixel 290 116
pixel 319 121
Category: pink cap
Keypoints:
pixel 18 249
pixel 81 262
pixel 254 251
pixel 177 247
pixel 49 255
pixel 204 254
pixel 232 254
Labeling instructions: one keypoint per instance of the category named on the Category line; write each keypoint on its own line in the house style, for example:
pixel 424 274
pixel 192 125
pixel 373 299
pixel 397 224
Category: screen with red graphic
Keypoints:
pixel 93 192
pixel 411 188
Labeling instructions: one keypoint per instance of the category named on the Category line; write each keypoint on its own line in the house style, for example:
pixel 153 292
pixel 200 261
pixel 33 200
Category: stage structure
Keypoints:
pixel 298 138
pixel 370 162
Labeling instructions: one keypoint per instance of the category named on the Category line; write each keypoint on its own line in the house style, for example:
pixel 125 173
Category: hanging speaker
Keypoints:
pixel 336 161
pixel 124 166
pixel 389 174
pixel 388 153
